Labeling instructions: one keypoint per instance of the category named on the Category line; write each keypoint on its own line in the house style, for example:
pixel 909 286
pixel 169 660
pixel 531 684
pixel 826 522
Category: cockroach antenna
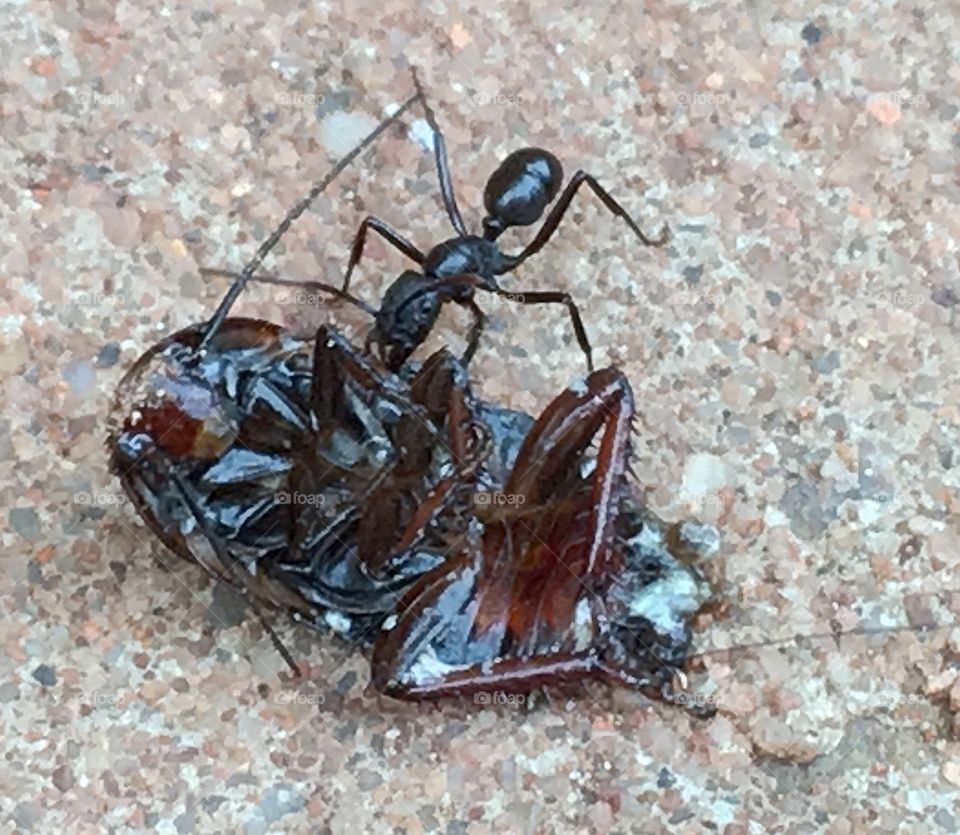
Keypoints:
pixel 228 564
pixel 300 284
pixel 836 635
pixel 247 273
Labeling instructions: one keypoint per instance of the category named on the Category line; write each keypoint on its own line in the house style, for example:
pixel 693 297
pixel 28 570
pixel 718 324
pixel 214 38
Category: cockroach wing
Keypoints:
pixel 523 602
pixel 520 610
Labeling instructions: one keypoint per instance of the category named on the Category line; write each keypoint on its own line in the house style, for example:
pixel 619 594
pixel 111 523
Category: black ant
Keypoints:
pixel 517 194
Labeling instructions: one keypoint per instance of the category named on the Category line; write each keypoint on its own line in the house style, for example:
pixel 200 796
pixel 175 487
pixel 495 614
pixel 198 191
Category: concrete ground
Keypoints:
pixel 793 350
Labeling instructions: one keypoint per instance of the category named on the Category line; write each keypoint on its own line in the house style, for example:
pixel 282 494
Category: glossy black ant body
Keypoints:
pixel 517 194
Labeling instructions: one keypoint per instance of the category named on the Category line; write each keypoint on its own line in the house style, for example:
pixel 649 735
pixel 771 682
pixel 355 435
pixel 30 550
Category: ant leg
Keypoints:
pixel 389 235
pixel 298 209
pixel 557 212
pixel 476 329
pixel 443 166
pixel 460 288
pixel 556 297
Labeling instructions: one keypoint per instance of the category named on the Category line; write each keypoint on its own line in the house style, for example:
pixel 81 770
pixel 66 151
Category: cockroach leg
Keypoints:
pixel 233 570
pixel 397 522
pixel 336 361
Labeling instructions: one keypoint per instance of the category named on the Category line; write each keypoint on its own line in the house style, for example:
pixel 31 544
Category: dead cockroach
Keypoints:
pixel 491 551
pixel 476 548
pixel 488 549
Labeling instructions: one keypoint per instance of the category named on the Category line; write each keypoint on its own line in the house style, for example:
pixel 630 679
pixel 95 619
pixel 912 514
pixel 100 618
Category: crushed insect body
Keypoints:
pixel 469 548
pixel 362 491
pixel 546 522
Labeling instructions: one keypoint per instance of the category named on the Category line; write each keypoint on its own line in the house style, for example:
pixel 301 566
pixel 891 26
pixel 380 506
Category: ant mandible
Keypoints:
pixel 517 194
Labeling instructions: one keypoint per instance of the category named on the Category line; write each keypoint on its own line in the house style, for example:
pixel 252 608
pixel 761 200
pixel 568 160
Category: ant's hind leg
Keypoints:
pixel 557 212
pixel 391 236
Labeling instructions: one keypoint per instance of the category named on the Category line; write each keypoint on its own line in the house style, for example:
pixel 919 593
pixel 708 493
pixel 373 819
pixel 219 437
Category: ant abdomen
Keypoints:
pixel 521 188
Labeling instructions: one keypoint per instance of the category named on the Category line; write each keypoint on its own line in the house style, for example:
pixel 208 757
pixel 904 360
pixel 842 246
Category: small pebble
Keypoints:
pixel 108 356
pixel 45 675
pixel 24 521
pixel 80 376
pixel 811 34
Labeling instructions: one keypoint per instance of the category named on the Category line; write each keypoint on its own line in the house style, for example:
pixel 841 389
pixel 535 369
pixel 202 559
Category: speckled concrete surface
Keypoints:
pixel 794 351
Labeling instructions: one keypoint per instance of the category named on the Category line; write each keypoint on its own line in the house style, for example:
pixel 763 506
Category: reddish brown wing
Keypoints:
pixel 520 604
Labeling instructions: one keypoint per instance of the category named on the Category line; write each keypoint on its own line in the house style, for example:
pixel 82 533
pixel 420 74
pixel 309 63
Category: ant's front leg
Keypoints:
pixel 390 235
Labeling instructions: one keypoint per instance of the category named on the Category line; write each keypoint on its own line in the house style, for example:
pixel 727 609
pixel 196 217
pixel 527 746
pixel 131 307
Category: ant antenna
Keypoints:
pixel 247 273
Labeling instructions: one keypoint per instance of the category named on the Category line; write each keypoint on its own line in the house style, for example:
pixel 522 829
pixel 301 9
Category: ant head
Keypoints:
pixel 521 188
pixel 407 313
